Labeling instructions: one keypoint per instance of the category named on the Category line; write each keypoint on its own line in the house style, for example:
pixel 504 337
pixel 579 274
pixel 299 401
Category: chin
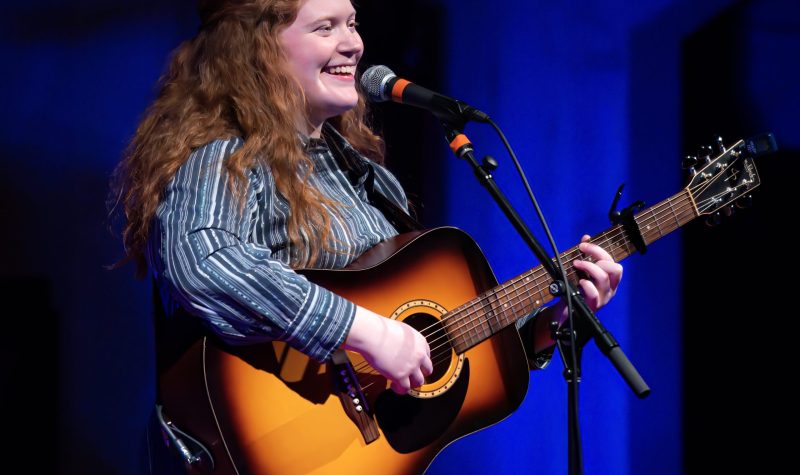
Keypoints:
pixel 340 109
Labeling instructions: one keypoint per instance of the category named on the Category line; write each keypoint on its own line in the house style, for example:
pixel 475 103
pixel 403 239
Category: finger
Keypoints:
pixel 585 238
pixel 614 272
pixel 423 342
pixel 596 273
pixel 401 387
pixel 427 366
pixel 590 294
pixel 596 252
pixel 416 379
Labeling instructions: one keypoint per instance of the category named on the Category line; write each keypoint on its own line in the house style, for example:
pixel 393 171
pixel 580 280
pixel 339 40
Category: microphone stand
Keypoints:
pixel 584 324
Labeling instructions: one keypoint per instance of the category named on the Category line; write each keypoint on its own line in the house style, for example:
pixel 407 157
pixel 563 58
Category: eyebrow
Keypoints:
pixel 331 18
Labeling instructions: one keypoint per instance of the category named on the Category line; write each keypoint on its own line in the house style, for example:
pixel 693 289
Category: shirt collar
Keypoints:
pixel 313 144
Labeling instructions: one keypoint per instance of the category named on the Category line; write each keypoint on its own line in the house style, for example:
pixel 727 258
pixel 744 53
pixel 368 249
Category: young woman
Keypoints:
pixel 252 162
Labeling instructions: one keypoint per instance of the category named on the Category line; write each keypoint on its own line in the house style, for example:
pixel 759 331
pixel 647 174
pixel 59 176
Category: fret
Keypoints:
pixel 498 308
pixel 657 224
pixel 674 216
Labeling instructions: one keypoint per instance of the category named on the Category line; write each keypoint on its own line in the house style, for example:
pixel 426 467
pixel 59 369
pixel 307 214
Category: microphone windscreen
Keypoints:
pixel 374 80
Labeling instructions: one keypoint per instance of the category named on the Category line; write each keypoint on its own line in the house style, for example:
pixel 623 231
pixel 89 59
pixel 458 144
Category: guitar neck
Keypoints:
pixel 494 310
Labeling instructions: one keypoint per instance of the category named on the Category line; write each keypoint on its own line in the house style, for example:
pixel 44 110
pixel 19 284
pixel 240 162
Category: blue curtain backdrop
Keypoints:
pixel 590 94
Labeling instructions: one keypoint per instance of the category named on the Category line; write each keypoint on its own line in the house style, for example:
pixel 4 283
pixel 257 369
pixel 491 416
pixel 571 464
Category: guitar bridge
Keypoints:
pixel 352 397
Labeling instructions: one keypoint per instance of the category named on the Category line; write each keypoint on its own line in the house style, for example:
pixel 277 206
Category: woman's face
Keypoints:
pixel 323 48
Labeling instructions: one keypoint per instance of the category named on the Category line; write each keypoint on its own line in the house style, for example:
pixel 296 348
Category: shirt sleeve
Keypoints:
pixel 525 327
pixel 212 269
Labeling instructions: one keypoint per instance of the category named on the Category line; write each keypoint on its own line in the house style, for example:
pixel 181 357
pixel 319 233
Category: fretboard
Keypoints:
pixel 495 309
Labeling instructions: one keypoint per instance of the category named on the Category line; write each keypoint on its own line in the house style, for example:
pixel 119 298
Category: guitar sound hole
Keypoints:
pixel 433 331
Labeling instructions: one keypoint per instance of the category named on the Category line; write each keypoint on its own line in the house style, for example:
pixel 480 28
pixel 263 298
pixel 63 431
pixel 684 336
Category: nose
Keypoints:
pixel 351 43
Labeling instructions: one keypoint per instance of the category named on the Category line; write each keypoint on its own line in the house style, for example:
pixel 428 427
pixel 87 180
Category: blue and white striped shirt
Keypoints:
pixel 229 265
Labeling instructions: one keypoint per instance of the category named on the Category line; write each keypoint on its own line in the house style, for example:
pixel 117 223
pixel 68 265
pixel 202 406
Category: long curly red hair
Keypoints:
pixel 230 80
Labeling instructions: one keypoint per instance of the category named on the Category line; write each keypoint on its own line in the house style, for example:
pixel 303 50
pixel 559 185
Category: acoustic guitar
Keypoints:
pixel 269 409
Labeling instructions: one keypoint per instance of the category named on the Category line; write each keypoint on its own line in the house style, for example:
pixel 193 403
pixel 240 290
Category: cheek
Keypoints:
pixel 297 57
pixel 302 70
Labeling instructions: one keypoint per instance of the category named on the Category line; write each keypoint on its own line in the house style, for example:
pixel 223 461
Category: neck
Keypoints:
pixel 309 128
pixel 314 131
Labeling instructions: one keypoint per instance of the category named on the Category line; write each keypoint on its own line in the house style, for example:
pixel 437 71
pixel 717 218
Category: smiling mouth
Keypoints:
pixel 345 71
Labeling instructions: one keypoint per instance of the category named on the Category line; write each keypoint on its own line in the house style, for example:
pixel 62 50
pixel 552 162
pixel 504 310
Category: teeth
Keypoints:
pixel 351 70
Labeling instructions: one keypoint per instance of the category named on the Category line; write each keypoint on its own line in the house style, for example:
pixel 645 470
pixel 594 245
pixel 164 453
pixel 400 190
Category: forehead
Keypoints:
pixel 311 10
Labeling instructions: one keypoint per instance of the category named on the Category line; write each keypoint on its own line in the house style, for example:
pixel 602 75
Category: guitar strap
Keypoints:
pixel 401 220
pixel 357 167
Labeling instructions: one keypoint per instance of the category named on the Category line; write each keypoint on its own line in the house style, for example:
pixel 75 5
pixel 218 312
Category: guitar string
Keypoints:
pixel 442 357
pixel 438 356
pixel 611 237
pixel 608 240
pixel 602 240
pixel 570 256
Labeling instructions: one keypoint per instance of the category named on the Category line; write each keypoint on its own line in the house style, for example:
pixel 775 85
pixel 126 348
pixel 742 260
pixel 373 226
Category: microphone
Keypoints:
pixel 382 84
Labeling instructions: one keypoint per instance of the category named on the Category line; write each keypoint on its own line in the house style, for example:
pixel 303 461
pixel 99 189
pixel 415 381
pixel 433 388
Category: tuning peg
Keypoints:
pixel 705 153
pixel 744 202
pixel 713 219
pixel 720 144
pixel 688 163
pixel 729 210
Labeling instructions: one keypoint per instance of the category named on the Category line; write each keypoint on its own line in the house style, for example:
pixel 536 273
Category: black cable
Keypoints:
pixel 574 444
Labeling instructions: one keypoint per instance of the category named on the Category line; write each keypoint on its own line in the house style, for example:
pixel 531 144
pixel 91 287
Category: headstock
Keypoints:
pixel 720 183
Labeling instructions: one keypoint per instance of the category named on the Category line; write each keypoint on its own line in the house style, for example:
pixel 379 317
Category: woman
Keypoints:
pixel 251 163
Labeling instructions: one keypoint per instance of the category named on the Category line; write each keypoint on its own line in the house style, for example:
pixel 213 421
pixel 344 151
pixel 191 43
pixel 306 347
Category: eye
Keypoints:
pixel 352 24
pixel 325 27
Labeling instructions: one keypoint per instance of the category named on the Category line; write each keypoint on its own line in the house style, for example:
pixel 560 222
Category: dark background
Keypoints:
pixel 737 315
pixel 592 93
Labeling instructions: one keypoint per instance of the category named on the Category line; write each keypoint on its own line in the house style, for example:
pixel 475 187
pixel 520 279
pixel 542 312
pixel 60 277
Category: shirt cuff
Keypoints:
pixel 322 324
